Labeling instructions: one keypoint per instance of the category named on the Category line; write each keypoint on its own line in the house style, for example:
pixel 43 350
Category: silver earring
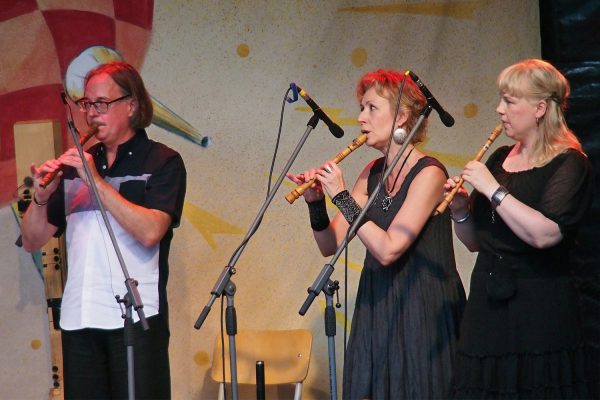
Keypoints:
pixel 399 136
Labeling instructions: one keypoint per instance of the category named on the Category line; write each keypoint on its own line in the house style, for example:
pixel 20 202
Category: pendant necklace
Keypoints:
pixel 387 200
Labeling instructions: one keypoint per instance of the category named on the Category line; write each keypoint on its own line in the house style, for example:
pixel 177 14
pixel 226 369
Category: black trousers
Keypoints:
pixel 95 362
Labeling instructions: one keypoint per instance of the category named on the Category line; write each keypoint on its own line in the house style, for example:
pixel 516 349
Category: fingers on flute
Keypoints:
pixel 311 173
pixel 70 154
pixel 451 182
pixel 33 168
pixel 296 178
pixel 49 166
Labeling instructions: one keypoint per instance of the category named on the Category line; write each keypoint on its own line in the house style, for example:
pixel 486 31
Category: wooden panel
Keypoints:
pixel 36 142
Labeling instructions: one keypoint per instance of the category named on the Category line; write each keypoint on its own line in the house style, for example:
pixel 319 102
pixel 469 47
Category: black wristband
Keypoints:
pixel 348 207
pixel 319 220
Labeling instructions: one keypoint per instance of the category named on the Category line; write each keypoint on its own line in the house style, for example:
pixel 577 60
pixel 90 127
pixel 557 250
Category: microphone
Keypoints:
pixel 444 115
pixel 333 127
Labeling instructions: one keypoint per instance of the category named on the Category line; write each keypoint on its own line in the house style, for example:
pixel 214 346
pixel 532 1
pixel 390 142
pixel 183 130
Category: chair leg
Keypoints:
pixel 298 391
pixel 221 395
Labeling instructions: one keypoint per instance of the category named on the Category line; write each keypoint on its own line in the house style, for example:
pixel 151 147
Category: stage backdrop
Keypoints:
pixel 224 67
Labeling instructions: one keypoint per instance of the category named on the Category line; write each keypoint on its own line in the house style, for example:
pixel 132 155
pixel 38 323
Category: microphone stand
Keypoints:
pixel 224 282
pixel 323 281
pixel 132 297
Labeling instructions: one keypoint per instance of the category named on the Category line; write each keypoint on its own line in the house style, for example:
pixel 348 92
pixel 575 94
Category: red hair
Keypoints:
pixel 387 84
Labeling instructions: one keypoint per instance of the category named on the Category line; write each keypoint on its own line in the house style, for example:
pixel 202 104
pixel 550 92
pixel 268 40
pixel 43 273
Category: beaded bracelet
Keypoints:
pixel 348 206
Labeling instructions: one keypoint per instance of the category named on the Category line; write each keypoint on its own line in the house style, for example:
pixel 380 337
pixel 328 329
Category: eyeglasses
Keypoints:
pixel 100 106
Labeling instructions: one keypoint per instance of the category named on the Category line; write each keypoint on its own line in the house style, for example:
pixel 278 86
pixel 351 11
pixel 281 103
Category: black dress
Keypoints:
pixel 407 314
pixel 521 332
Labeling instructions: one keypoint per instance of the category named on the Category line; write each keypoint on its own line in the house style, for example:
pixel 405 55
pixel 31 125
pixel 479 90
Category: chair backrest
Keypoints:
pixel 286 354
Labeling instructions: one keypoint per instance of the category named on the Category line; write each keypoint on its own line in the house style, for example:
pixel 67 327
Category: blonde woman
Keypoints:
pixel 520 335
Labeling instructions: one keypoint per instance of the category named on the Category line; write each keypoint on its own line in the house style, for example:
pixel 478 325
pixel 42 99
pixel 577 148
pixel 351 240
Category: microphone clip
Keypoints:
pixel 294 90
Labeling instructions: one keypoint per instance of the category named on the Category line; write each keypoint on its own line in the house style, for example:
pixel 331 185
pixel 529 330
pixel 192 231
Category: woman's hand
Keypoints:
pixel 482 180
pixel 315 192
pixel 459 205
pixel 332 178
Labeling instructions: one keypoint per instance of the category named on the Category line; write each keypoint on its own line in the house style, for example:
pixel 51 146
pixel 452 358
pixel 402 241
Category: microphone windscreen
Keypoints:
pixel 337 131
pixel 447 119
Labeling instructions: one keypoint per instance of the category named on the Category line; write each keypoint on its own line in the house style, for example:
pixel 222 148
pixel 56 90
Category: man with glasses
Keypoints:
pixel 141 184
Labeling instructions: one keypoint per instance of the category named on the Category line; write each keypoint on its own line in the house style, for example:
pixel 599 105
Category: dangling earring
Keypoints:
pixel 537 121
pixel 399 136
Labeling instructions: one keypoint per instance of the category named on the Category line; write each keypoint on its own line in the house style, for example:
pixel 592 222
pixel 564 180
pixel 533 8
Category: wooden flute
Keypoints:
pixel 49 177
pixel 448 199
pixel 299 190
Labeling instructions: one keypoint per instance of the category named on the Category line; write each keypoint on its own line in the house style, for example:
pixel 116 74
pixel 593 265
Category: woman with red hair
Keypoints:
pixel 410 297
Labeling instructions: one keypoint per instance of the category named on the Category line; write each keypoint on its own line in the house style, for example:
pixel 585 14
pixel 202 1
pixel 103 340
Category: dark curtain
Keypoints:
pixel 570 34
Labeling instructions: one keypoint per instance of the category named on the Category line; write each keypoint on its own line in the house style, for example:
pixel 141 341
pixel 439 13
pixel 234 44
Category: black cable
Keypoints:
pixel 345 303
pixel 250 234
pixel 223 347
pixel 389 145
pixel 285 97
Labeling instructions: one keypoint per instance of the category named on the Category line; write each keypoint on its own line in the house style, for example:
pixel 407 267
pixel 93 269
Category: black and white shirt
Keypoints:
pixel 146 173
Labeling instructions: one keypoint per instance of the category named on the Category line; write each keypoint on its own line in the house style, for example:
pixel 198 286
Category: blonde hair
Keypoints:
pixel 538 80
pixel 387 84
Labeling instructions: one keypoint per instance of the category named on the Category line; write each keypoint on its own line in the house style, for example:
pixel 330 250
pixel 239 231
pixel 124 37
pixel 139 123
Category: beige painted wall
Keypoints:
pixel 224 67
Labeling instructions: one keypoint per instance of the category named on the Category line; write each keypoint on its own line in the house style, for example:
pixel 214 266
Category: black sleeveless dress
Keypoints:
pixel 521 335
pixel 407 314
